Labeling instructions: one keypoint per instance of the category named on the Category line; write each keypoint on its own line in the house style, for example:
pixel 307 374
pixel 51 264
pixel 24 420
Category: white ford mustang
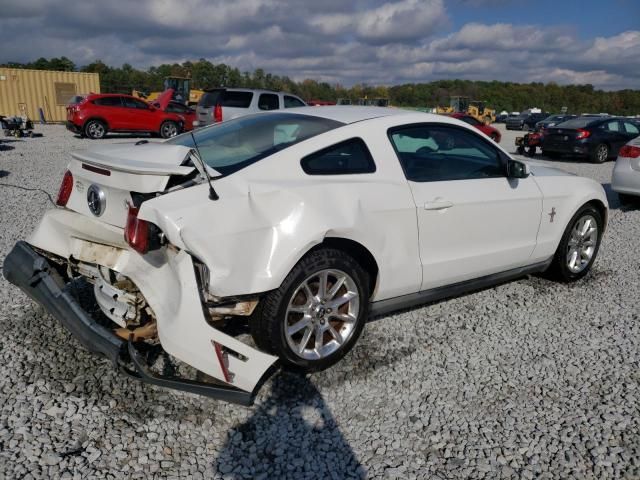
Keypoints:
pixel 300 224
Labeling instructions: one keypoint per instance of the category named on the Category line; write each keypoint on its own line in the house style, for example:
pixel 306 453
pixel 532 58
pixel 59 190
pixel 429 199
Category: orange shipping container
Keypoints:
pixel 24 92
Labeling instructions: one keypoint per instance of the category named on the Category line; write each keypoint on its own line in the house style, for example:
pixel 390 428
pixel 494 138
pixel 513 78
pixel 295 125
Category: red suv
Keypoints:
pixel 98 114
pixel 488 130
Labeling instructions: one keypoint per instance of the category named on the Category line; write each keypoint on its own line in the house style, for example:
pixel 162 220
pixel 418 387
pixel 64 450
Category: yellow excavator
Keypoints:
pixel 474 108
pixel 182 91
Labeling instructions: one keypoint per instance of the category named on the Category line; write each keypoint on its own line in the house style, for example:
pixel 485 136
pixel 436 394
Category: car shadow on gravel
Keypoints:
pixel 614 200
pixel 4 147
pixel 292 433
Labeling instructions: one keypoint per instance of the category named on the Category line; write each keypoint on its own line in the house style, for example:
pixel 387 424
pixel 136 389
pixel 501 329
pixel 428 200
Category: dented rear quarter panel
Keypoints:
pixel 271 213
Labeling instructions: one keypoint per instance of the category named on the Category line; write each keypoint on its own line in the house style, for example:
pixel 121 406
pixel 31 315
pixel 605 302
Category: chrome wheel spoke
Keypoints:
pixel 336 286
pixel 323 279
pixel 338 302
pixel 299 325
pixel 305 339
pixel 343 317
pixel 319 334
pixel 335 335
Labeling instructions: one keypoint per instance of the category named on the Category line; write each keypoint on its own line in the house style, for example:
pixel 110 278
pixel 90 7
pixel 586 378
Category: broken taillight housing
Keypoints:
pixel 136 231
pixel 65 189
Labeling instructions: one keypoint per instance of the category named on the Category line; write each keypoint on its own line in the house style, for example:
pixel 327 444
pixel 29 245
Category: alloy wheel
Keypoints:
pixel 321 315
pixel 582 243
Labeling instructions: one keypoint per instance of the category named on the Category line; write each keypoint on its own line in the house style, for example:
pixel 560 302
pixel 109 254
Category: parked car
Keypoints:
pixel 303 223
pixel 220 104
pixel 626 173
pixel 98 114
pixel 552 121
pixel 595 138
pixel 525 120
pixel 488 130
pixel 187 114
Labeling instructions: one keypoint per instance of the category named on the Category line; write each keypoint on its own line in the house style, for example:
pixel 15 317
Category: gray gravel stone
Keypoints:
pixel 530 379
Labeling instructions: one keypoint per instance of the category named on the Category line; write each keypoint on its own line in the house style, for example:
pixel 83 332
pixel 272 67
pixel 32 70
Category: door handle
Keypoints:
pixel 438 205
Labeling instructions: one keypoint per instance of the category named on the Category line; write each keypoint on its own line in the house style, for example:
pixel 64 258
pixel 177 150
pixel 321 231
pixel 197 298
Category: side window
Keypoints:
pixel 612 126
pixel 292 102
pixel 631 128
pixel 134 103
pixel 268 101
pixel 348 157
pixel 236 99
pixel 435 153
pixel 108 102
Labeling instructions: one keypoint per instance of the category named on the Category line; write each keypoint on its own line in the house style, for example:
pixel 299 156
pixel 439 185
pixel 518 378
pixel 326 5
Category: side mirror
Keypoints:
pixel 517 169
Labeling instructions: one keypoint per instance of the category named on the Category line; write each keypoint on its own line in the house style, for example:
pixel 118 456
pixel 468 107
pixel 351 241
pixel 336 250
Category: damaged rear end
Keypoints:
pixel 151 295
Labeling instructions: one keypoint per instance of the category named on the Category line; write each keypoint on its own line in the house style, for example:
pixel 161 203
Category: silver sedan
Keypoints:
pixel 626 174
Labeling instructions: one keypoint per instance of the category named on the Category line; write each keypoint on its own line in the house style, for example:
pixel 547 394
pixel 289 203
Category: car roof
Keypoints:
pixel 253 90
pixel 352 114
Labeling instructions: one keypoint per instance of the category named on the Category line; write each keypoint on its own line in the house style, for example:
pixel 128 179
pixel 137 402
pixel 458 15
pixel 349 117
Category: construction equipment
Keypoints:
pixel 16 126
pixel 182 91
pixel 475 108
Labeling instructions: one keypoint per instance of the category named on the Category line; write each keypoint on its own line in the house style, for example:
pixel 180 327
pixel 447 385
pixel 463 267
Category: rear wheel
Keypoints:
pixel 579 245
pixel 95 129
pixel 168 129
pixel 600 154
pixel 317 314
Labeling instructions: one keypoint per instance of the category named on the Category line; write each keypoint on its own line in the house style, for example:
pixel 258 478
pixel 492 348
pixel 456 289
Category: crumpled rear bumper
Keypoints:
pixel 34 275
pixel 31 272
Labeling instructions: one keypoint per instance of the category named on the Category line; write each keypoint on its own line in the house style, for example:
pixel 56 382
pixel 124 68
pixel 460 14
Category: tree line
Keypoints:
pixel 508 96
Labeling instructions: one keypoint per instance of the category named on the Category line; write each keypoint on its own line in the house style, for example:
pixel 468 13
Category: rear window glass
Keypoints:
pixel 209 99
pixel 232 145
pixel 580 122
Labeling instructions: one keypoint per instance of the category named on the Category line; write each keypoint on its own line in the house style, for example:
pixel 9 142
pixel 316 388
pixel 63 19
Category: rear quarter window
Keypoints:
pixel 348 157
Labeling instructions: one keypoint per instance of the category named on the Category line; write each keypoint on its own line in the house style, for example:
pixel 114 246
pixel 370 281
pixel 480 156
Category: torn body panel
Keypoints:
pixel 167 280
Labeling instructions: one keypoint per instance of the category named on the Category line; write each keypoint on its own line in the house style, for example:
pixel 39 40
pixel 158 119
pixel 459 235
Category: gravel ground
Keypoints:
pixel 528 379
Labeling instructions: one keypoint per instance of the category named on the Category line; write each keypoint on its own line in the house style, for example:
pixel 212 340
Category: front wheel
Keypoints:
pixel 317 314
pixel 579 245
pixel 168 129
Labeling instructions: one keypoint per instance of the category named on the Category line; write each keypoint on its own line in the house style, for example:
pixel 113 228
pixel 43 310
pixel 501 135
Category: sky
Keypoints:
pixel 343 41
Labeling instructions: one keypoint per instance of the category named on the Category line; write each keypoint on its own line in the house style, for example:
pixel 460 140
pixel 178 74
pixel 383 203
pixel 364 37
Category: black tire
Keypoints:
pixel 626 199
pixel 520 150
pixel 169 129
pixel 531 151
pixel 600 153
pixel 268 321
pixel 95 129
pixel 559 270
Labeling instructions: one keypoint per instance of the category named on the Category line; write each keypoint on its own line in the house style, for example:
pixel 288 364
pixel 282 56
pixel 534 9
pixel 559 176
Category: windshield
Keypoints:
pixel 230 146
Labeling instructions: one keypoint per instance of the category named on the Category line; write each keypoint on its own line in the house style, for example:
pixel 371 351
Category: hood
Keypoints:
pixel 540 170
pixel 164 98
pixel 140 158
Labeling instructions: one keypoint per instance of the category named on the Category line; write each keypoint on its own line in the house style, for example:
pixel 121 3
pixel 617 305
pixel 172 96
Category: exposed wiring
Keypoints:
pixel 2 184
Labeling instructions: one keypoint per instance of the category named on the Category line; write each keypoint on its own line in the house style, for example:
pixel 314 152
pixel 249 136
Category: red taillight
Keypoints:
pixel 136 231
pixel 629 151
pixel 217 113
pixel 582 134
pixel 65 189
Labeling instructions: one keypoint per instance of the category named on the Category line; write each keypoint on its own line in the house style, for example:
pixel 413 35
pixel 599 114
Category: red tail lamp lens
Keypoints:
pixel 630 151
pixel 65 189
pixel 217 113
pixel 136 231
pixel 582 134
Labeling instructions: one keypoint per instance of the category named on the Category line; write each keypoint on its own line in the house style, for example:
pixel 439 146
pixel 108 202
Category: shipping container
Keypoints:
pixel 25 92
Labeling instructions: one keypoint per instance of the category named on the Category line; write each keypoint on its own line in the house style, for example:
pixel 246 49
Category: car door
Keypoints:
pixel 139 116
pixel 111 109
pixel 614 135
pixel 472 220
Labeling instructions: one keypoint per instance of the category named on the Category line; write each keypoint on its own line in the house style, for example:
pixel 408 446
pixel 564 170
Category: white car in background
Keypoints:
pixel 300 224
pixel 626 173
